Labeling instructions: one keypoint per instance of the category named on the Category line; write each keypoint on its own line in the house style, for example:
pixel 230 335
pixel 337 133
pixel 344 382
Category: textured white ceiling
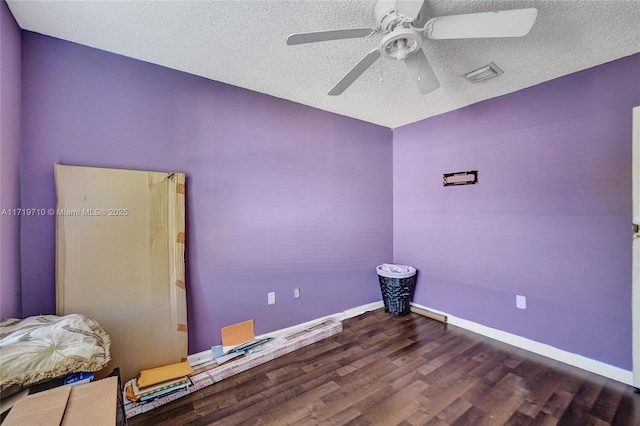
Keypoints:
pixel 243 43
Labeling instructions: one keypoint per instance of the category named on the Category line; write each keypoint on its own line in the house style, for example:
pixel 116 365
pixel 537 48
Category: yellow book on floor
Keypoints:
pixel 157 375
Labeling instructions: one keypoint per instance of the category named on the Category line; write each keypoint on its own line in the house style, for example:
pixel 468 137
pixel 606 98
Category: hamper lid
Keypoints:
pixel 390 270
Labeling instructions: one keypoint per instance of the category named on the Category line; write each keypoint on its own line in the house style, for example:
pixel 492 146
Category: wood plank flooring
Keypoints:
pixel 388 370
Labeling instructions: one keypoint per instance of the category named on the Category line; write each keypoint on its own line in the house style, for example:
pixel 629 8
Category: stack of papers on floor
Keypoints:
pixel 210 372
pixel 134 393
pixel 251 346
pixel 243 339
pixel 157 382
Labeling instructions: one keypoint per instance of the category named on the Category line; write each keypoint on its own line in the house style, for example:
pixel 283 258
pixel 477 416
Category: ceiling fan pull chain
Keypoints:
pixel 381 79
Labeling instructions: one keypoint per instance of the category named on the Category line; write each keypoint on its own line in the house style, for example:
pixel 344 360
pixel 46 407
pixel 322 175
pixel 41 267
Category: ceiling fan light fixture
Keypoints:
pixel 400 43
pixel 401 48
pixel 483 73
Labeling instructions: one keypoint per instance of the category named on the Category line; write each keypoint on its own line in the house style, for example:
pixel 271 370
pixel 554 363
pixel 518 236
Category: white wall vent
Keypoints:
pixel 483 73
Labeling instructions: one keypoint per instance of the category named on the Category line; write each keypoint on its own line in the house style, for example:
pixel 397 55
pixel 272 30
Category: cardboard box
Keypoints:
pixel 94 403
pixel 120 237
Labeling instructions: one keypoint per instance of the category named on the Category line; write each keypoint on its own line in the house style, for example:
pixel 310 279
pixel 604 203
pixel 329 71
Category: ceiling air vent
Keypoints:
pixel 483 73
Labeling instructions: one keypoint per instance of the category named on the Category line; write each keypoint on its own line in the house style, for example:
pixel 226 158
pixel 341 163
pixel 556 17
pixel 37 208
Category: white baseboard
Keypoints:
pixel 588 364
pixel 349 313
pixel 359 310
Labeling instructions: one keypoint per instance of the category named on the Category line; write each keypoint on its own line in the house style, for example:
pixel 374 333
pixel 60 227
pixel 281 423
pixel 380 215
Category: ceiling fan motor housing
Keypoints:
pixel 387 15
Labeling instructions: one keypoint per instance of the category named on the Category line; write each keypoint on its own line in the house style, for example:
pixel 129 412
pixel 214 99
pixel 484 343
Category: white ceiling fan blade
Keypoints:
pixel 421 72
pixel 355 72
pixel 409 8
pixel 313 37
pixel 504 23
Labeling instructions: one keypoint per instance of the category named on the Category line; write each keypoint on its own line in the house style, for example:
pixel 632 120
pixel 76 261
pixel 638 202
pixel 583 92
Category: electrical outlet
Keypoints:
pixel 521 302
pixel 271 298
pixel 296 293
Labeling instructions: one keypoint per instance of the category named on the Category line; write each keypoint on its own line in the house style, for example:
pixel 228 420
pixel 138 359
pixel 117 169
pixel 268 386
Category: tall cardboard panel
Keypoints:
pixel 120 260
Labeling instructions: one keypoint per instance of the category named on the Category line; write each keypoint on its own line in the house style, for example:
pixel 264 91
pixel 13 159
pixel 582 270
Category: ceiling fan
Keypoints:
pixel 403 41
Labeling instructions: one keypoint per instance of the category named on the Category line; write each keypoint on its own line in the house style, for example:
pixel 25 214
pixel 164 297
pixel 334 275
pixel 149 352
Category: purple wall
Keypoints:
pixel 10 126
pixel 282 196
pixel 550 218
pixel 279 195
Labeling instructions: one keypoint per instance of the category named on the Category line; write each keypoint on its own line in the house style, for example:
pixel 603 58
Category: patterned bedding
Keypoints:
pixel 47 346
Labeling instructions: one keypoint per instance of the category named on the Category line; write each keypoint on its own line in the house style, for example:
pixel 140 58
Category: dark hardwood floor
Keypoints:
pixel 388 370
